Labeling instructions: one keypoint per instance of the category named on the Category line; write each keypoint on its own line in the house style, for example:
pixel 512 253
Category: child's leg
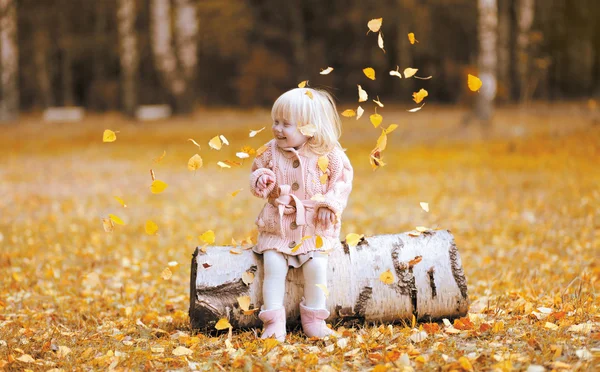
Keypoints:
pixel 275 270
pixel 315 272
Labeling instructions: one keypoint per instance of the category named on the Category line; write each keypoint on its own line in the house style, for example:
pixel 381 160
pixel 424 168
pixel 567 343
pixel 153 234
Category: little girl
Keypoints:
pixel 304 202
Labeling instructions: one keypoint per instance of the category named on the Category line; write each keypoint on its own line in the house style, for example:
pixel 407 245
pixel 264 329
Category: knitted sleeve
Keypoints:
pixel 339 185
pixel 262 165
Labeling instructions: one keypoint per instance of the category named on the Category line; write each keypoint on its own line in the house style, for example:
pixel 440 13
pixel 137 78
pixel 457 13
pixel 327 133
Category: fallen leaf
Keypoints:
pixel 166 274
pixel 194 163
pixel 242 155
pixel 223 164
pixel 376 119
pixel 195 143
pixel 409 72
pixel 419 336
pixel 352 239
pixel 108 224
pixel 151 227
pixel 302 84
pixel 323 163
pixel 318 242
pixel 236 192
pixel 116 219
pixel 378 102
pixel 109 136
pixel 387 277
pixel 326 71
pixel 247 277
pixel 223 323
pixel 308 130
pixel 215 143
pixel 349 113
pixel 369 72
pixel 465 363
pixel 158 186
pixel 411 38
pixel 309 94
pixel 25 358
pixel 391 128
pixel 380 41
pixel 182 351
pixel 375 24
pixel 324 289
pixel 473 82
pixel 420 95
pixel 244 302
pixel 208 237
pixel 425 206
pixel 362 94
pixel 359 112
pixel 255 132
pixel 323 179
pixel 416 108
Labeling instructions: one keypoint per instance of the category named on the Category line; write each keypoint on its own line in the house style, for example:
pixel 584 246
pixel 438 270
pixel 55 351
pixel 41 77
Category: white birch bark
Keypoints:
pixel 488 57
pixel 431 289
pixel 129 58
pixel 525 12
pixel 186 23
pixel 9 61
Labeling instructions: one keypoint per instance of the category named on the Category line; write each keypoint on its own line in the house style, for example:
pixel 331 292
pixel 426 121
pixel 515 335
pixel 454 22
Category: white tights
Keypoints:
pixel 275 270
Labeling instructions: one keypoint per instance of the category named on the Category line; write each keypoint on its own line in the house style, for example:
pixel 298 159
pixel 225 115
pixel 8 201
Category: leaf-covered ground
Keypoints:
pixel 522 201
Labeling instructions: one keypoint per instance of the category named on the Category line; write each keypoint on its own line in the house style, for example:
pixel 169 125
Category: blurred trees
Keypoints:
pixel 9 61
pixel 116 54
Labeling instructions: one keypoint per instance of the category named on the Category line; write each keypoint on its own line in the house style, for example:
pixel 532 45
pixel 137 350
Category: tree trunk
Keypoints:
pixel 178 76
pixel 488 56
pixel 128 54
pixel 298 39
pixel 431 289
pixel 65 57
pixel 525 11
pixel 9 61
pixel 404 55
pixel 504 50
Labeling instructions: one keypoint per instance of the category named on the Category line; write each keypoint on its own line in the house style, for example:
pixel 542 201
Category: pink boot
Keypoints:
pixel 273 323
pixel 313 321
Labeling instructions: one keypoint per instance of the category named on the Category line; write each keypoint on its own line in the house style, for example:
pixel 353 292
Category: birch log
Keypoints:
pixel 431 289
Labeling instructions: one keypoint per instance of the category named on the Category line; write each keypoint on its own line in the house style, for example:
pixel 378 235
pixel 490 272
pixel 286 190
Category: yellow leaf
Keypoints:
pixel 242 155
pixel 323 163
pixel 309 94
pixel 166 274
pixel 318 242
pixel 235 251
pixel 303 84
pixel 223 323
pixel 158 186
pixel 244 302
pixel 378 102
pixel 208 237
pixel 422 228
pixel 396 73
pixel 195 143
pixel 297 246
pixel 391 128
pixel 375 24
pixel 108 224
pixel 420 95
pixel 236 192
pixel 223 164
pixel 261 149
pixel 376 119
pixel 182 351
pixel 387 277
pixel 411 38
pixel 270 343
pixel 116 219
pixel 160 158
pixel 121 201
pixel 308 130
pixel 551 326
pixel 375 159
pixel 380 41
pixel 215 143
pixel 425 206
pixel 352 239
pixel 25 358
pixel 409 72
pixel 194 163
pixel 151 227
pixel 369 72
pixel 247 277
pixel 349 113
pixel 324 289
pixel 323 179
pixel 474 83
pixel 326 71
pixel 362 94
pixel 416 108
pixel 359 112
pixel 382 141
pixel 465 363
pixel 224 140
pixel 255 132
pixel 109 136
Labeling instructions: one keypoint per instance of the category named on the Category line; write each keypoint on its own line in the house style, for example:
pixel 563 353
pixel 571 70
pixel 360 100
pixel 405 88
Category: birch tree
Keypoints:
pixel 176 62
pixel 128 54
pixel 488 57
pixel 9 61
pixel 525 11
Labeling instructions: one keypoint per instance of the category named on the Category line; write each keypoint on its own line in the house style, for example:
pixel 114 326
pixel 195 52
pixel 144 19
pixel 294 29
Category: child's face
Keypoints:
pixel 287 134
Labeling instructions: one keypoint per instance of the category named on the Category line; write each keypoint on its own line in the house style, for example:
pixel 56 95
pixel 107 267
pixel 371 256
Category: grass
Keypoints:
pixel 521 199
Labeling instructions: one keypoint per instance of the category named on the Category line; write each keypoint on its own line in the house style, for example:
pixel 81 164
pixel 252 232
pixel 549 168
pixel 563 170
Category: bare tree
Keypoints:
pixel 177 67
pixel 128 54
pixel 505 48
pixel 488 57
pixel 9 61
pixel 525 11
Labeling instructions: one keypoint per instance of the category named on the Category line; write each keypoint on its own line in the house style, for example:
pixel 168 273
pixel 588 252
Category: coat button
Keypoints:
pixel 296 163
pixel 295 186
pixel 293 225
pixel 292 244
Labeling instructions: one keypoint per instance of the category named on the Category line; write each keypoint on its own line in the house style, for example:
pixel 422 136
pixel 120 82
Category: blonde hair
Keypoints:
pixel 297 107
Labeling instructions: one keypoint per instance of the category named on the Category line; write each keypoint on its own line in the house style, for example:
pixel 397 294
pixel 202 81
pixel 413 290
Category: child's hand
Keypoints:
pixel 264 181
pixel 325 216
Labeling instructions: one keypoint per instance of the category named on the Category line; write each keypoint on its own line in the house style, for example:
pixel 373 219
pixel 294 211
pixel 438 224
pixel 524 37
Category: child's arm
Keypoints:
pixel 339 184
pixel 259 169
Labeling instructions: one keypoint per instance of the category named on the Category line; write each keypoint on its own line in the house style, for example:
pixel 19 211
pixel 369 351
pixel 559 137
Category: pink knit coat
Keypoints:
pixel 293 199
